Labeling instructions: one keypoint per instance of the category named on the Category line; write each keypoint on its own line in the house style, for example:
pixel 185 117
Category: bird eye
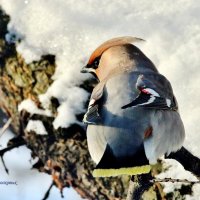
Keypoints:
pixel 96 64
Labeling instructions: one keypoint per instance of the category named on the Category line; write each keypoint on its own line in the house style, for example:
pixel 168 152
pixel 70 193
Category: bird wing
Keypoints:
pixel 155 92
pixel 92 115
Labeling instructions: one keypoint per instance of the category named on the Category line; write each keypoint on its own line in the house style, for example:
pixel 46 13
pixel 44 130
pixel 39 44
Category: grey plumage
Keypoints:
pixel 155 92
pixel 146 128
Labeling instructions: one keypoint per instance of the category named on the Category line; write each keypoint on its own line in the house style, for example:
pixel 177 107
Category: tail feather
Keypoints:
pixel 122 171
pixel 111 165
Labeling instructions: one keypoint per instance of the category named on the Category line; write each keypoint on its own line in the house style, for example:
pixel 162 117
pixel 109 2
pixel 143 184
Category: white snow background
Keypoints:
pixel 71 30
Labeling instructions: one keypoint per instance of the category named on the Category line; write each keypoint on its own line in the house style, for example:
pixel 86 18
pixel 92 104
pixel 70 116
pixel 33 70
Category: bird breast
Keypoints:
pixel 119 91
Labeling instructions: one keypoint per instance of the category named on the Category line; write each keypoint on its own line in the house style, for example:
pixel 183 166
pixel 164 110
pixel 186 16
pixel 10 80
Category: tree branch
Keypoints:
pixel 13 143
pixel 189 161
pixel 46 196
pixel 172 180
pixel 10 147
pixel 138 184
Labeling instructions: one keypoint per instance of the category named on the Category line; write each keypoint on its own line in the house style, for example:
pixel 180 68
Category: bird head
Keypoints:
pixel 116 53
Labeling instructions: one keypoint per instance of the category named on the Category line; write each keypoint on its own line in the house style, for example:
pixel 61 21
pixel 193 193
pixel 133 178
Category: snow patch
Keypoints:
pixel 32 108
pixel 174 170
pixel 71 32
pixel 36 126
pixel 196 193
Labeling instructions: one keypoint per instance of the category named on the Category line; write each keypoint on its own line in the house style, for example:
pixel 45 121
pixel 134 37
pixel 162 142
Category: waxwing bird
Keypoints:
pixel 132 116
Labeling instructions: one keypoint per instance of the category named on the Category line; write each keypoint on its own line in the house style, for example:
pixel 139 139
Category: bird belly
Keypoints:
pixel 124 136
pixel 122 130
pixel 125 133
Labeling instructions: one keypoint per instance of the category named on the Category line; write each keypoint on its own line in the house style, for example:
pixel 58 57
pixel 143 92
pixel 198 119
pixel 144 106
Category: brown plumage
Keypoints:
pixel 110 43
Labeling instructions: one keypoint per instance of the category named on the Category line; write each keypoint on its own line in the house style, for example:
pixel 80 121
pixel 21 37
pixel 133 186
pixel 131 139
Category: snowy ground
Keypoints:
pixel 72 29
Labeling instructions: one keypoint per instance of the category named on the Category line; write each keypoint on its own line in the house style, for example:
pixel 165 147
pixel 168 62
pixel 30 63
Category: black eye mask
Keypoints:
pixel 95 64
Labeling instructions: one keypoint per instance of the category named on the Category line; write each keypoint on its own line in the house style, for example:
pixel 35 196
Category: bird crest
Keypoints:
pixel 110 43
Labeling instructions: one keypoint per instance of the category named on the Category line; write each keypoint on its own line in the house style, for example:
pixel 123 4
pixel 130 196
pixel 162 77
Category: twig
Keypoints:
pixel 4 165
pixel 165 180
pixel 5 127
pixel 3 151
pixel 48 191
pixel 61 194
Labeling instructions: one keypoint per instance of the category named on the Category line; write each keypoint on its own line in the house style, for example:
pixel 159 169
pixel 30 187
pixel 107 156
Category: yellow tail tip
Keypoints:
pixel 122 171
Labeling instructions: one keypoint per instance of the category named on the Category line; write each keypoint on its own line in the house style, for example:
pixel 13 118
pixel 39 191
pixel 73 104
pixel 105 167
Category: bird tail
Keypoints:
pixel 111 165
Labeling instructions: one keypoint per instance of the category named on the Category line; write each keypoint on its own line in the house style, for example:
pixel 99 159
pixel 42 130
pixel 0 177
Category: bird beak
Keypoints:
pixel 85 69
